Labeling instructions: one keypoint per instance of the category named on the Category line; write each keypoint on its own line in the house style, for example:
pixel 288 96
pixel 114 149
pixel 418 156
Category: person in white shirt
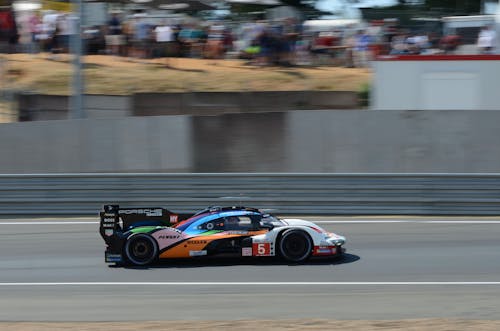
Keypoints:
pixel 486 40
pixel 164 39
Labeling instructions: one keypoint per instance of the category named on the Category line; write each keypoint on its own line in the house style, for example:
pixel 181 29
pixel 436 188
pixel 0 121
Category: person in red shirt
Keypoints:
pixel 8 29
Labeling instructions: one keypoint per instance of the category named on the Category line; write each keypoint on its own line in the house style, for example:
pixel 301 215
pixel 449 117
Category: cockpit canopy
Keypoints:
pixel 228 219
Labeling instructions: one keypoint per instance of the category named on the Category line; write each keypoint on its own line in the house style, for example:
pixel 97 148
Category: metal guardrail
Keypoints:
pixel 313 194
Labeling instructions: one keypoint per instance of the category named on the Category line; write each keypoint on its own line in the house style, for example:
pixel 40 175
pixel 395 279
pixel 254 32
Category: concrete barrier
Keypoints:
pixel 213 103
pixel 37 107
pixel 97 145
pixel 339 141
pixel 40 107
pixel 34 107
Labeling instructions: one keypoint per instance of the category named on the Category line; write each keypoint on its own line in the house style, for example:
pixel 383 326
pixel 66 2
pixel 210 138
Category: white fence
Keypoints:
pixel 436 82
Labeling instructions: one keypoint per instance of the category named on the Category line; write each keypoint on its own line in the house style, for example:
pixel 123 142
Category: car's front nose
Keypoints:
pixel 335 239
pixel 330 245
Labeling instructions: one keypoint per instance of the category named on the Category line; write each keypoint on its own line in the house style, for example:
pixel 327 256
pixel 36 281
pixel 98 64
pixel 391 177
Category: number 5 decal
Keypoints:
pixel 261 249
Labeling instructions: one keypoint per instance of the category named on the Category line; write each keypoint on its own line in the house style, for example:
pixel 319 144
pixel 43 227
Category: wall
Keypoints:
pixel 431 82
pixel 36 107
pixel 439 141
pixel 213 103
pixel 106 145
pixel 39 107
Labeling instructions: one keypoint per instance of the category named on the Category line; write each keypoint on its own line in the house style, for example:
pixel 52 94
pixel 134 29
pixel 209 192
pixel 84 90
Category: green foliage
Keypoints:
pixel 407 10
pixel 364 95
pixel 446 6
pixel 258 11
pixel 456 6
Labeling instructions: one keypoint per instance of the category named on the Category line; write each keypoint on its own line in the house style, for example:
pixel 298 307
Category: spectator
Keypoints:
pixel 362 54
pixel 266 48
pixel 114 37
pixel 291 32
pixel 128 37
pixel 214 47
pixel 94 38
pixel 227 41
pixel 349 43
pixel 34 26
pixel 141 36
pixel 164 39
pixel 321 47
pixel 8 29
pixel 449 43
pixel 192 39
pixel 486 40
pixel 399 45
pixel 50 31
pixel 63 32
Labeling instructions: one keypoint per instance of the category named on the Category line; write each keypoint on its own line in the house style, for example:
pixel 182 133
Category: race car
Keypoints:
pixel 142 236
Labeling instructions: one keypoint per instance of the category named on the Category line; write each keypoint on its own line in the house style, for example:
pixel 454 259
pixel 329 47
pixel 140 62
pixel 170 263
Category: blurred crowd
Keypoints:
pixel 283 42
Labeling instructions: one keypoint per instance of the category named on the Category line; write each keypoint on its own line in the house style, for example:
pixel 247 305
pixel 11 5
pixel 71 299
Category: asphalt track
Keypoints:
pixel 395 268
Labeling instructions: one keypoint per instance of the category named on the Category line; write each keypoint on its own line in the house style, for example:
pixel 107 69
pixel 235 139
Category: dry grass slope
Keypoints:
pixel 121 76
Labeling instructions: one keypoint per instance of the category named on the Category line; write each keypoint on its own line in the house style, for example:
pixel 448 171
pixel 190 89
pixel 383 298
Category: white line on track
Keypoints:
pixel 249 284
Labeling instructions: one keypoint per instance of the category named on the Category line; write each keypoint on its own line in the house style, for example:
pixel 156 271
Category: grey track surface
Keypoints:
pixel 392 253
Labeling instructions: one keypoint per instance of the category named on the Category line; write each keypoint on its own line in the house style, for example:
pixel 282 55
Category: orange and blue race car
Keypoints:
pixel 142 236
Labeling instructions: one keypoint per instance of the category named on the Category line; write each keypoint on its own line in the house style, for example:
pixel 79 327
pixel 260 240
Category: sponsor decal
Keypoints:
pixel 197 253
pixel 108 223
pixel 174 219
pixel 235 232
pixel 147 212
pixel 261 249
pixel 325 250
pixel 108 232
pixel 166 236
pixel 113 257
pixel 197 242
pixel 246 251
pixel 109 215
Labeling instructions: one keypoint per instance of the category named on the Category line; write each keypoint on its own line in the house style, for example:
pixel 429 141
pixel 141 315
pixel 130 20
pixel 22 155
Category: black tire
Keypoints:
pixel 141 249
pixel 295 245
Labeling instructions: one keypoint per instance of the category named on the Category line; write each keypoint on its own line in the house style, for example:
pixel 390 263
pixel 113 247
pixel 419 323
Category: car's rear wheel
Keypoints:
pixel 141 249
pixel 295 245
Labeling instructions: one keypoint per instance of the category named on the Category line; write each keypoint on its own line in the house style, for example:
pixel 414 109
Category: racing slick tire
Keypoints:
pixel 141 249
pixel 295 245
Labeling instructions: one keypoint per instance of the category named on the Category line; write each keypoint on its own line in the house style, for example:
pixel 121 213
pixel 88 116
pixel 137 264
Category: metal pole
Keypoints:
pixel 76 100
pixel 497 29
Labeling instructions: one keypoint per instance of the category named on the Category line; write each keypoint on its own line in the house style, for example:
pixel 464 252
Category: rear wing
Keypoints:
pixel 115 219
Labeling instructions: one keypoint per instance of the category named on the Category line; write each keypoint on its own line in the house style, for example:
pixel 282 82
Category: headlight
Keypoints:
pixel 337 242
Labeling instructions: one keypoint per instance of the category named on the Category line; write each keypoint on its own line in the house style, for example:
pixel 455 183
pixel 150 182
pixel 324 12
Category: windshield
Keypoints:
pixel 194 225
pixel 271 220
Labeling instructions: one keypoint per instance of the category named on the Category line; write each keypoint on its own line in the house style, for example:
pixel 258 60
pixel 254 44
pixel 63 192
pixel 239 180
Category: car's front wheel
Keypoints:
pixel 295 245
pixel 141 249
